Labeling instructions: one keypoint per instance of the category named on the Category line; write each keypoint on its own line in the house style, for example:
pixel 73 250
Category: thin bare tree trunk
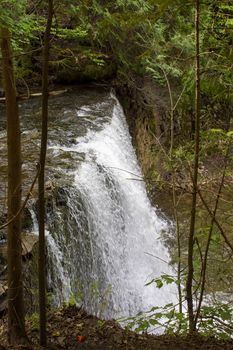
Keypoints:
pixel 41 179
pixel 16 326
pixel 189 283
pixel 205 260
pixel 174 197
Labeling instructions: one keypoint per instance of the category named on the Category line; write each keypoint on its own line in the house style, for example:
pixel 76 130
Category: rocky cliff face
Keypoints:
pixel 145 105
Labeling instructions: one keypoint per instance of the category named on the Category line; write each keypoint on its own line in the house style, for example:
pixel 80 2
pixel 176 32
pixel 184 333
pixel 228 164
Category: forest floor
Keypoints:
pixel 71 328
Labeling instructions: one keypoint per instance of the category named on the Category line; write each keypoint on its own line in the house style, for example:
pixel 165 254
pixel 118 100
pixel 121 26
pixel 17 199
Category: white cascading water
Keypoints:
pixel 60 278
pixel 108 242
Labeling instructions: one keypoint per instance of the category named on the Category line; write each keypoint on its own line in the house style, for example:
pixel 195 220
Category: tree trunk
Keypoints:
pixel 16 326
pixel 189 284
pixel 41 179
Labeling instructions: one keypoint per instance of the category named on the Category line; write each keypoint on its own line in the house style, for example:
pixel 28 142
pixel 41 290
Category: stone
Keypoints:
pixel 29 243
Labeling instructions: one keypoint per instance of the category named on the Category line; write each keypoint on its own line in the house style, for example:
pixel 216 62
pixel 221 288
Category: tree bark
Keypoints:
pixel 41 179
pixel 189 283
pixel 16 325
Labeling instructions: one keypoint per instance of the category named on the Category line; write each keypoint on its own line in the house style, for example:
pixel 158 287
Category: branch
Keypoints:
pixel 24 203
pixel 218 320
pixel 215 220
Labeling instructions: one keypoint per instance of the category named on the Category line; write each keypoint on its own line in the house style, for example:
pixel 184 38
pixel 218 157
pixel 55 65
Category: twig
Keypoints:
pixel 126 171
pixel 24 203
pixel 156 257
pixel 215 220
pixel 217 320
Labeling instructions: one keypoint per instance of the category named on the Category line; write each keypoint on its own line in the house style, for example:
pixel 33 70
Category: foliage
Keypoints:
pixel 13 15
pixel 216 319
pixel 213 142
pixel 165 318
pixel 163 279
pixel 158 43
pixel 34 321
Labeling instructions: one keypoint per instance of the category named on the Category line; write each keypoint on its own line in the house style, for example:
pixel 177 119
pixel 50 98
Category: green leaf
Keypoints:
pixel 153 322
pixel 159 283
pixel 217 131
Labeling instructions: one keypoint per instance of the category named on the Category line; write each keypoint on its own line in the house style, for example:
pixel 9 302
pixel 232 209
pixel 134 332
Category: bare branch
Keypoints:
pixel 24 203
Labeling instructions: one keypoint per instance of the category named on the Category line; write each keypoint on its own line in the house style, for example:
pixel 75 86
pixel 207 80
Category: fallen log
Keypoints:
pixel 36 94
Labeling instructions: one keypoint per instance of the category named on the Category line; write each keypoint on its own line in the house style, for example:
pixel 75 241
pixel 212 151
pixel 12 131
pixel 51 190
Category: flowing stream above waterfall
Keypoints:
pixel 104 237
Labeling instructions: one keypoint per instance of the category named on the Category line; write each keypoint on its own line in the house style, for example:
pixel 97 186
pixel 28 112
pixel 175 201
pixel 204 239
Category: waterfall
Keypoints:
pixel 104 236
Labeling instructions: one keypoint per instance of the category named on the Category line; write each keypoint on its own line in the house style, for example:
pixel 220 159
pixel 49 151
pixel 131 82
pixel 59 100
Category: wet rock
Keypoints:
pixel 49 185
pixel 61 198
pixel 2 92
pixel 3 252
pixel 3 298
pixel 3 218
pixel 30 270
pixel 29 240
pixel 26 219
